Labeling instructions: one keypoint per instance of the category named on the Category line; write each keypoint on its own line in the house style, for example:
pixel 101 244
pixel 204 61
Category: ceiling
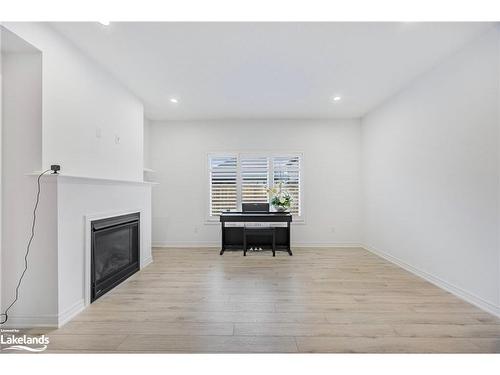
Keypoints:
pixel 266 70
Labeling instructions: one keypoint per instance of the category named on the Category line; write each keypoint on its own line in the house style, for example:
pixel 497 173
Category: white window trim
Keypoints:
pixel 214 220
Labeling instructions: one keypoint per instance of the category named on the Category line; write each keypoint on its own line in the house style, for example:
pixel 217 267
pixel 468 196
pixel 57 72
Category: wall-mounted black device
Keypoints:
pixel 55 168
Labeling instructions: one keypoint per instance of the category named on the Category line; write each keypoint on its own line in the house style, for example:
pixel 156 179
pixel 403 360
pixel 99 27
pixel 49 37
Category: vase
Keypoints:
pixel 280 208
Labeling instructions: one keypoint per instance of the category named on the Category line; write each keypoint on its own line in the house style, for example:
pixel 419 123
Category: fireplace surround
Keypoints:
pixel 61 254
pixel 115 252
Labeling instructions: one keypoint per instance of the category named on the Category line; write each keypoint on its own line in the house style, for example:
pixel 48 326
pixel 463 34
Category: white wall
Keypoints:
pixel 146 147
pixel 75 99
pixel 21 154
pixel 331 176
pixel 431 174
pixel 1 148
pixel 81 100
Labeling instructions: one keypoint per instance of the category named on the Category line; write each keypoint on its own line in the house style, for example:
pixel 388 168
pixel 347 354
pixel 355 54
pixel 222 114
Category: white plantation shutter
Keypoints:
pixel 243 178
pixel 254 174
pixel 223 178
pixel 286 169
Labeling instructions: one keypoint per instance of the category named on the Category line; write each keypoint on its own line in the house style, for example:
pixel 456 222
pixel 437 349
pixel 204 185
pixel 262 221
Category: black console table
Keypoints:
pixel 235 238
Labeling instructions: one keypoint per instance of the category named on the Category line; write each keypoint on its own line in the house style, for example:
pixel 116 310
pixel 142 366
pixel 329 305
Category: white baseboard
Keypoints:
pixel 146 262
pixel 185 244
pixel 216 244
pixel 453 289
pixel 31 321
pixel 325 244
pixel 71 312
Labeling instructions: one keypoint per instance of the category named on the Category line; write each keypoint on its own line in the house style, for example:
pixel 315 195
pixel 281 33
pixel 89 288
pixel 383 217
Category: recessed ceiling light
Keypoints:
pixel 104 23
pixel 174 100
pixel 336 98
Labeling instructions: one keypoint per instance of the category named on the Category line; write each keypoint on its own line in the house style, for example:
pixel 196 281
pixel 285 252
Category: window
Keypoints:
pixel 223 194
pixel 237 178
pixel 254 173
pixel 286 169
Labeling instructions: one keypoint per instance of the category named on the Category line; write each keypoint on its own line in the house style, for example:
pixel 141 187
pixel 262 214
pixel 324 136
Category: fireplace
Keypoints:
pixel 114 252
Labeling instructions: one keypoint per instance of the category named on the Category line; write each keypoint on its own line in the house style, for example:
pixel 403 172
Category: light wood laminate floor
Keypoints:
pixel 319 300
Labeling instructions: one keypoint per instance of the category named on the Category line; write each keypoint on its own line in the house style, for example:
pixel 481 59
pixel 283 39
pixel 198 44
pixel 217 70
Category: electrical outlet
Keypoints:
pixel 117 139
pixel 332 230
pixel 195 229
pixel 98 132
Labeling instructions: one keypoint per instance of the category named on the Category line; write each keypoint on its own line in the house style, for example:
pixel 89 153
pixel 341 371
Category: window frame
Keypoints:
pixel 209 219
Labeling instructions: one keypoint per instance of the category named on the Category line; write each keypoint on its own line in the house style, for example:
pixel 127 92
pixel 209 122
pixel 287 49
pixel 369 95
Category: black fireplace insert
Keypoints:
pixel 115 252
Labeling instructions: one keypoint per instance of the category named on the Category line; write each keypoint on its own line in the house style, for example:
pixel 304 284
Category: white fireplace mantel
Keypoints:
pixel 97 179
pixel 57 286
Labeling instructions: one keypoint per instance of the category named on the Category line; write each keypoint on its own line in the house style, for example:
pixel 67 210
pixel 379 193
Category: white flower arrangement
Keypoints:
pixel 279 197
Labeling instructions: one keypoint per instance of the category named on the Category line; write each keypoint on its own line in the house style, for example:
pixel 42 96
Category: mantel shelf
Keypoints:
pixel 109 180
